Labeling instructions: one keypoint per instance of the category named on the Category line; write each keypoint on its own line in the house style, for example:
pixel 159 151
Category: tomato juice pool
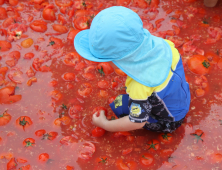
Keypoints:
pixel 48 92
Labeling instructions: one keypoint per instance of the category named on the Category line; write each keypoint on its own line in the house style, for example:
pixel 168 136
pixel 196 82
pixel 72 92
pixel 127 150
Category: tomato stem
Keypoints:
pixel 206 64
pixel 103 160
pixel 198 137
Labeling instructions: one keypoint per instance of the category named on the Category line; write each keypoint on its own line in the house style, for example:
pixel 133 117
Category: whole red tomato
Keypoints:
pixel 29 142
pixel 146 159
pixel 199 64
pixel 62 3
pixel 40 132
pixel 49 14
pixel 2 2
pixel 5 118
pixel 153 145
pixel 68 76
pixel 98 132
pixel 104 68
pixel 24 122
pixel 43 157
pixel 165 138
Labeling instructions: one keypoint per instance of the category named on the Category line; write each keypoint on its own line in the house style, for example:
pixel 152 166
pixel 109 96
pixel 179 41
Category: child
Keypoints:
pixel 158 95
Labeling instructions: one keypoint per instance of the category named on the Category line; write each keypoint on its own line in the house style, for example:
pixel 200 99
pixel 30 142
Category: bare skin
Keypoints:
pixel 210 3
pixel 118 125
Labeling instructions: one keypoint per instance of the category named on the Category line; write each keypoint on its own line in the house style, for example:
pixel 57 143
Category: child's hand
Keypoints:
pixel 99 120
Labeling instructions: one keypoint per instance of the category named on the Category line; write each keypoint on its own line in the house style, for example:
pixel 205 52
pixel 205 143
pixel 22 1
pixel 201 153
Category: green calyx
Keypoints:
pixel 206 64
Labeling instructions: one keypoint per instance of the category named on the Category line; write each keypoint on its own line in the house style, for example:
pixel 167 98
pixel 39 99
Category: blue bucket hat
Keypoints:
pixel 116 34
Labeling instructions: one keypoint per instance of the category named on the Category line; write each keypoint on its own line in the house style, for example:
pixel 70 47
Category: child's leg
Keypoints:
pixel 120 105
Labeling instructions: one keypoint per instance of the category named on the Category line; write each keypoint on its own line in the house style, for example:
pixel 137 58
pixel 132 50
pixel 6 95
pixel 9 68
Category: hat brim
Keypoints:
pixel 81 44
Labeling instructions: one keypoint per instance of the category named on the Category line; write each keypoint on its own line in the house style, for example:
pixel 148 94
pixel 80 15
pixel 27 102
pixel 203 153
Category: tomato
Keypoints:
pixel 24 121
pixel 20 160
pixel 40 132
pixel 153 145
pixel 216 158
pixel 5 118
pixel 29 56
pixel 29 142
pixel 81 23
pixel 68 76
pixel 74 111
pixel 118 134
pixel 56 95
pixel 27 167
pixel 146 159
pixel 103 84
pixel 67 140
pixel 69 167
pixel 127 151
pixel 123 2
pixel 45 68
pixel 121 166
pixel 165 138
pixel 53 83
pixel 38 26
pixel 146 3
pixel 189 1
pixel 5 45
pixel 60 28
pixel 63 3
pixel 98 132
pixel 89 76
pixel 72 35
pixel 212 57
pixel 27 43
pixel 120 72
pixel 49 14
pixel 103 93
pixel 104 68
pixel 55 43
pixel 79 66
pixel 43 157
pixel 98 109
pixel 13 2
pixel 7 95
pixel 199 135
pixel 87 150
pixel 199 64
pixel 111 99
pixel 11 165
pixel 2 2
pixel 65 120
pixel 50 135
pixel 72 58
pixel 3 13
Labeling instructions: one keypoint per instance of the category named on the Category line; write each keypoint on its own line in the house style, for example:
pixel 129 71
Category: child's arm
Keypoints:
pixel 121 124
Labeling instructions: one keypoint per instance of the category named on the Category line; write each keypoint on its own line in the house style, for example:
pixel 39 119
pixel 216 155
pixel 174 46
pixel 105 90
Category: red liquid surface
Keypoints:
pixel 187 150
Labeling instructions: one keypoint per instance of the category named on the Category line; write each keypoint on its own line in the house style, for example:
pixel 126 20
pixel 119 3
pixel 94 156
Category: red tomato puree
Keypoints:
pixel 48 92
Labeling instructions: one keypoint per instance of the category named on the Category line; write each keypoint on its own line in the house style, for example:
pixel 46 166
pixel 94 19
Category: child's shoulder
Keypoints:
pixel 138 91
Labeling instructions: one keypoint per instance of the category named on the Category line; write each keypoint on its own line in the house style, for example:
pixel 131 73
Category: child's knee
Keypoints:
pixel 120 105
pixel 210 3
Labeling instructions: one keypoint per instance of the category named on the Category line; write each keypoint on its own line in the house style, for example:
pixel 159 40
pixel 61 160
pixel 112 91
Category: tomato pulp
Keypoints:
pixel 48 92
